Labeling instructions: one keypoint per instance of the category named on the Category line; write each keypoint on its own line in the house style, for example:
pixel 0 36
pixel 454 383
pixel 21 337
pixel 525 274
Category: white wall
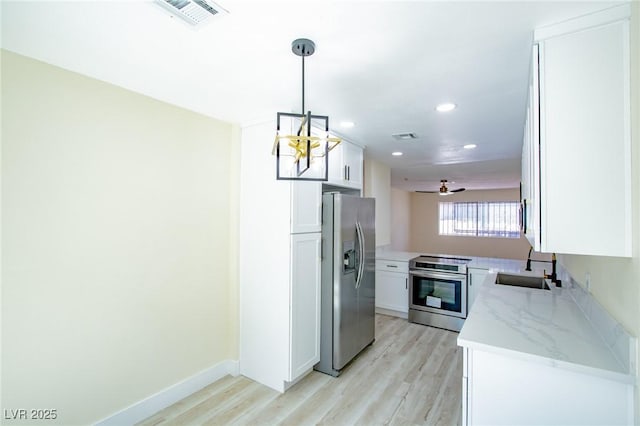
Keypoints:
pixel 400 219
pixel 615 282
pixel 116 246
pixel 377 184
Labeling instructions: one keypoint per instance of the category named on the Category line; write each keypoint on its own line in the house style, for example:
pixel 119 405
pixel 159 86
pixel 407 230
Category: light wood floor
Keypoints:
pixel 412 374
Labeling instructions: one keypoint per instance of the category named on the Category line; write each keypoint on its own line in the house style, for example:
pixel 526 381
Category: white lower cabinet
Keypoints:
pixel 475 278
pixel 392 287
pixel 304 342
pixel 465 388
pixel 505 390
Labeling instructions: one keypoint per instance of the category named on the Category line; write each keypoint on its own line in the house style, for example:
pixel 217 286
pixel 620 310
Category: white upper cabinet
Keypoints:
pixel 530 189
pixel 345 165
pixel 581 159
pixel 352 157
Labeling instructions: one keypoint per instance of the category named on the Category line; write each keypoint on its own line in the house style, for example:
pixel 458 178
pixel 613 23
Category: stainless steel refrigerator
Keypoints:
pixel 348 280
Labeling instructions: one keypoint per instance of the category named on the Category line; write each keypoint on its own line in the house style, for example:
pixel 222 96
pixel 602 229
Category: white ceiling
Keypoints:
pixel 382 64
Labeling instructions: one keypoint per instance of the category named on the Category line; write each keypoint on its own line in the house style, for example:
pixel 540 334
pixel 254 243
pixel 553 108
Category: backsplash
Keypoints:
pixel 623 345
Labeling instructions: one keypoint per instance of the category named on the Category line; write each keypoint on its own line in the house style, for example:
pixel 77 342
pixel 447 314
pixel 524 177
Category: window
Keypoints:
pixel 480 219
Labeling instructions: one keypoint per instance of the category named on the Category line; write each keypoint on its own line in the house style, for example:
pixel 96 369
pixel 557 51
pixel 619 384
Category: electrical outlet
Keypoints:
pixel 587 281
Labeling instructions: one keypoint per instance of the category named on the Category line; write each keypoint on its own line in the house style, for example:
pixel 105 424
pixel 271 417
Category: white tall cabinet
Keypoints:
pixel 280 260
pixel 576 171
pixel 280 249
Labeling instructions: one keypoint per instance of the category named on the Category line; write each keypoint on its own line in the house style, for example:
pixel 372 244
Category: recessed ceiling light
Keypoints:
pixel 446 107
pixel 347 124
pixel 396 153
pixel 470 146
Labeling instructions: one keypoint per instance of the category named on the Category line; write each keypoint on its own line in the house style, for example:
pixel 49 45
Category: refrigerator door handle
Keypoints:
pixel 360 235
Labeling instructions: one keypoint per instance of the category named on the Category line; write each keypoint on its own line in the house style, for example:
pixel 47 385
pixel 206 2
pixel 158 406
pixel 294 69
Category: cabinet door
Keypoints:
pixel 525 180
pixel 306 207
pixel 392 291
pixel 345 165
pixel 337 172
pixel 304 337
pixel 476 277
pixel 352 157
pixel 585 141
pixel 531 161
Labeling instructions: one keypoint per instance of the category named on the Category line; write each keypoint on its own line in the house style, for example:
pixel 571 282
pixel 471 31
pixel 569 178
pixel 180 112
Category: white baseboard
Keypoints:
pixel 174 393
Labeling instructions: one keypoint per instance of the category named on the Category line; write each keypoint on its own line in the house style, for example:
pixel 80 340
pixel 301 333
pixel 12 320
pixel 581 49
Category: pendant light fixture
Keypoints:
pixel 302 142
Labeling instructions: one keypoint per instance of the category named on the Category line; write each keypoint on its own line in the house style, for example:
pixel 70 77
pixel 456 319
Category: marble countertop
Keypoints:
pixel 398 256
pixel 489 263
pixel 540 326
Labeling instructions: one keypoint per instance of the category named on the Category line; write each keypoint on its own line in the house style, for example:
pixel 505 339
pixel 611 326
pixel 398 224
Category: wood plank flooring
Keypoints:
pixel 411 375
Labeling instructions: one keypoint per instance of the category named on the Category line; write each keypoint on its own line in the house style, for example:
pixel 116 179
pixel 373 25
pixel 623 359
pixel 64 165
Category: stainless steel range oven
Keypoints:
pixel 438 291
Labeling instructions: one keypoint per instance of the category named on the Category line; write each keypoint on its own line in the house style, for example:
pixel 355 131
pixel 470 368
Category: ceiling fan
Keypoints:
pixel 443 189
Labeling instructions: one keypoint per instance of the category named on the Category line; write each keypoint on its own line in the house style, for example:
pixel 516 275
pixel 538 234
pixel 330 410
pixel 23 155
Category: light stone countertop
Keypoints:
pixel 530 324
pixel 489 263
pixel 540 326
pixel 398 256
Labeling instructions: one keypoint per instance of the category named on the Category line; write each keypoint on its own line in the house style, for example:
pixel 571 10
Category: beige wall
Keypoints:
pixel 424 228
pixel 615 282
pixel 400 219
pixel 117 243
pixel 377 184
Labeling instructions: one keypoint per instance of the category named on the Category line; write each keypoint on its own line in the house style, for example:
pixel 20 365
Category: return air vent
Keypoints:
pixel 195 12
pixel 405 136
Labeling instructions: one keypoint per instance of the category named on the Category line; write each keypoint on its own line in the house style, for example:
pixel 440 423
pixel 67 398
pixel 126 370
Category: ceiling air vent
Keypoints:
pixel 404 136
pixel 195 12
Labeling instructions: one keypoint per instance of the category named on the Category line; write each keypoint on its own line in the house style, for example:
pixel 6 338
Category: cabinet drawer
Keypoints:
pixel 392 266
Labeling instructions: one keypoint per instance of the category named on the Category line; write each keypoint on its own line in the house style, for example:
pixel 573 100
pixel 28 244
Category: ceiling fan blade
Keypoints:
pixel 458 190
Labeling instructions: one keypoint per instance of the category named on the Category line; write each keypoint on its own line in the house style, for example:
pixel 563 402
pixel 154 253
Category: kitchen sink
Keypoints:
pixel 522 281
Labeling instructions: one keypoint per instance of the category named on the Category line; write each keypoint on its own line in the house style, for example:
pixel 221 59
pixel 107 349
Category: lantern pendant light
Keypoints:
pixel 302 141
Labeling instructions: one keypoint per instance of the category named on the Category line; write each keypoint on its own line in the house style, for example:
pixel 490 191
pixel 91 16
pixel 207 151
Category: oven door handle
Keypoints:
pixel 441 275
pixel 361 258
